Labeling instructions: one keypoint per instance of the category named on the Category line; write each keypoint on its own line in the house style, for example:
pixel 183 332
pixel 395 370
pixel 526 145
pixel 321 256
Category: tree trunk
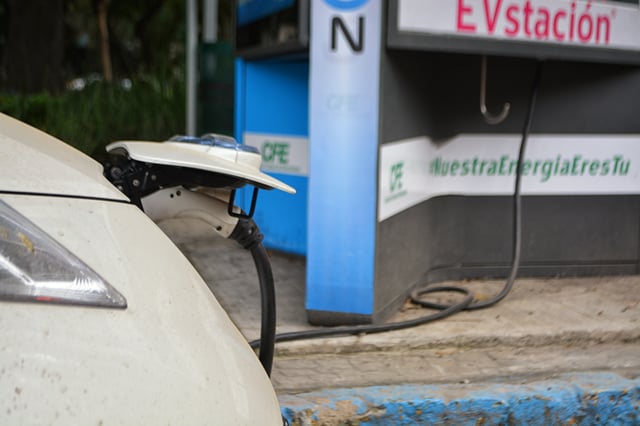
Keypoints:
pixel 34 50
pixel 105 53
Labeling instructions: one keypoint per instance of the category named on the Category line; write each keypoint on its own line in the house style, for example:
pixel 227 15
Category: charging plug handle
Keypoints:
pixel 179 202
pixel 247 234
pixel 151 187
pixel 137 179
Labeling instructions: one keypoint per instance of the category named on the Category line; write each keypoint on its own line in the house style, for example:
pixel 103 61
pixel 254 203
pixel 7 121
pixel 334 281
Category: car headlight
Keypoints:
pixel 36 268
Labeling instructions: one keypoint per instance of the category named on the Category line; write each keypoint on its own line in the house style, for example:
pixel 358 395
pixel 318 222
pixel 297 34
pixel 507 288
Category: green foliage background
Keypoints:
pixel 152 109
pixel 147 41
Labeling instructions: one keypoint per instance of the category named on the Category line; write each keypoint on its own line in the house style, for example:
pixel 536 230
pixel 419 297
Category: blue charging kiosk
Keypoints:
pixel 370 110
pixel 280 129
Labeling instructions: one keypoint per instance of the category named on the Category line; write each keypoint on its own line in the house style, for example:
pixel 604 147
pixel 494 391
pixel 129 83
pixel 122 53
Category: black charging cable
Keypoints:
pixel 248 235
pixel 517 208
pixel 444 310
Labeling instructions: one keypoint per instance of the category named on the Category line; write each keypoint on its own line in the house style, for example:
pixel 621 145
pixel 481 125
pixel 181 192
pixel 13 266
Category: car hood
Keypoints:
pixel 35 162
pixel 173 356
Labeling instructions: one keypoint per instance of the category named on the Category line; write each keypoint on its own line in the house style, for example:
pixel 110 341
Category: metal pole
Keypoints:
pixel 210 31
pixel 192 45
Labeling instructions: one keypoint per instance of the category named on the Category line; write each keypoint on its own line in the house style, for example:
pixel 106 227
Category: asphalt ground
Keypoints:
pixel 547 339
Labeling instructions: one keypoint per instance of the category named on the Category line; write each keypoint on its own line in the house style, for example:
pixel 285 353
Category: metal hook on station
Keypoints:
pixel 488 117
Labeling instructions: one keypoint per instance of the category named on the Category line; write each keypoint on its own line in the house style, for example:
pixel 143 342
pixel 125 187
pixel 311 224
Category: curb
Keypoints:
pixel 393 340
pixel 570 399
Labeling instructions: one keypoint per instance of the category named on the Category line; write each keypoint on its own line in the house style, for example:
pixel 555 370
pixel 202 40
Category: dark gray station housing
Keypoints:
pixel 434 188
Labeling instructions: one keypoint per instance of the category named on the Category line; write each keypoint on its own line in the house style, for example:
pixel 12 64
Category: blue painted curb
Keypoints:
pixel 569 399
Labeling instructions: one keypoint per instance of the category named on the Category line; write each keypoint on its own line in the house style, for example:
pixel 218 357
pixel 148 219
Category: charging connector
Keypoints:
pixel 181 203
pixel 214 210
pixel 196 178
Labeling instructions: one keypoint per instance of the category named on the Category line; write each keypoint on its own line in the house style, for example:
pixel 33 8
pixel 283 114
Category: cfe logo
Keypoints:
pixel 396 176
pixel 275 152
pixel 395 184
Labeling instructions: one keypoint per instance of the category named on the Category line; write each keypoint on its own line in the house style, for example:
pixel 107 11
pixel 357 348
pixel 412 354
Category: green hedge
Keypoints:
pixel 89 119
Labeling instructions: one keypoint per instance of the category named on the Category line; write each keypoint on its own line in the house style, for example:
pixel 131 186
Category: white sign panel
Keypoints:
pixel 414 170
pixel 602 24
pixel 280 153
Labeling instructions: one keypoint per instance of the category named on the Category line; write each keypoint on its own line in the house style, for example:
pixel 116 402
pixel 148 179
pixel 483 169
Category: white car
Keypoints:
pixel 102 319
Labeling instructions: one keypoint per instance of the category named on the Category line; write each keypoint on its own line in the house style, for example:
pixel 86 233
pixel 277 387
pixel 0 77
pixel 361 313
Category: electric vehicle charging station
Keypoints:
pixel 406 180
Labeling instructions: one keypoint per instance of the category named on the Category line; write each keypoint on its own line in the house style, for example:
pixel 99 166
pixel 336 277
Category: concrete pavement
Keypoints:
pixel 553 340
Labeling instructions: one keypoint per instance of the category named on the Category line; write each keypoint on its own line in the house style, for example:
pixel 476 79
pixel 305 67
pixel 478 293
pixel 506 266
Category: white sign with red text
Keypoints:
pixel 602 24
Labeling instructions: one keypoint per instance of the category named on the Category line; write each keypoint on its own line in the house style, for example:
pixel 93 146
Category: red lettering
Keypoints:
pixel 542 24
pixel 527 14
pixel 585 28
pixel 572 20
pixel 512 19
pixel 464 10
pixel 556 31
pixel 585 34
pixel 603 21
pixel 491 19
